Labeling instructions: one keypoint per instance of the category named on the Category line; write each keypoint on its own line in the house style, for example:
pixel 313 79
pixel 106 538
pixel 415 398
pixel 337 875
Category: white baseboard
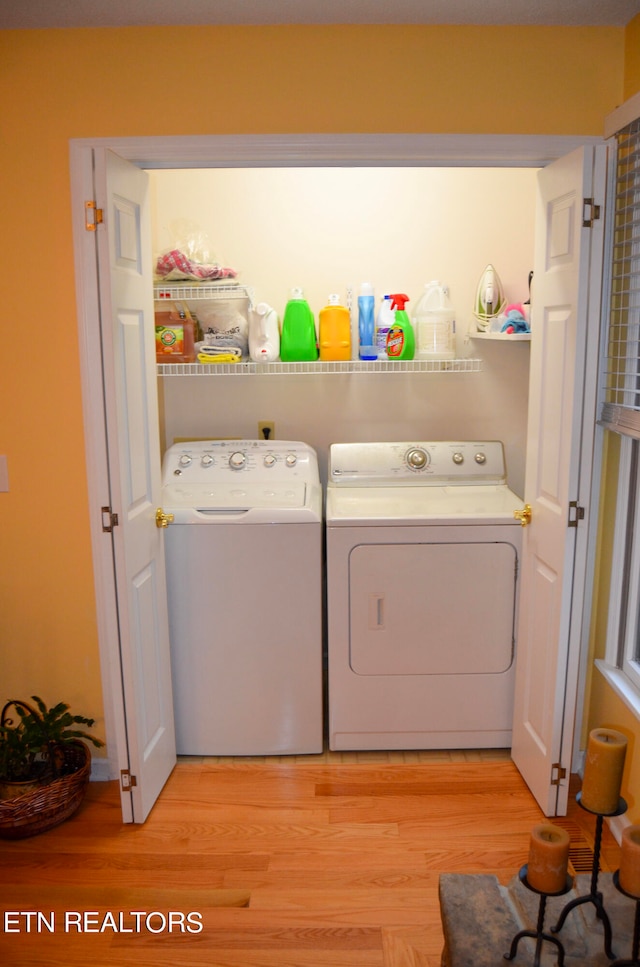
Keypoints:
pixel 617 824
pixel 101 770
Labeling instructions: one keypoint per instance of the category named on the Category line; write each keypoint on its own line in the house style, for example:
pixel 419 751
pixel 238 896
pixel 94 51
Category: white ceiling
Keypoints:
pixel 116 13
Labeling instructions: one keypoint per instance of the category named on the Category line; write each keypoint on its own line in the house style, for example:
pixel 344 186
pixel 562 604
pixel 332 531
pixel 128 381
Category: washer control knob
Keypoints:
pixel 269 460
pixel 237 460
pixel 481 458
pixel 207 460
pixel 416 459
pixel 184 460
pixel 291 459
pixel 458 458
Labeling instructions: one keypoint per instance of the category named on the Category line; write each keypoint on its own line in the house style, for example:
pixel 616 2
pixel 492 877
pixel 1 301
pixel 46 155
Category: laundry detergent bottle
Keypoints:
pixel 435 324
pixel 298 342
pixel 401 342
pixel 384 321
pixel 366 322
pixel 335 331
pixel 264 334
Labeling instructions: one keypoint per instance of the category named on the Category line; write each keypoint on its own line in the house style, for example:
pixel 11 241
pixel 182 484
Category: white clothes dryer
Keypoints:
pixel 245 593
pixel 422 590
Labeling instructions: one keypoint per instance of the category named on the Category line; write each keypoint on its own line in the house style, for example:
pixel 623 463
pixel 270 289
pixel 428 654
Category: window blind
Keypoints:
pixel 621 406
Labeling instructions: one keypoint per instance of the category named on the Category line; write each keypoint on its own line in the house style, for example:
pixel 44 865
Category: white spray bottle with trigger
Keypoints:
pixel 264 334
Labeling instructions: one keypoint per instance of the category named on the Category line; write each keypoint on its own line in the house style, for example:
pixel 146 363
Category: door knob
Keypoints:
pixel 524 515
pixel 162 519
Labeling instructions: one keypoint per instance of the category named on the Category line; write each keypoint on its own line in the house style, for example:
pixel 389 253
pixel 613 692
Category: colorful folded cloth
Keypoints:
pixel 515 322
pixel 176 265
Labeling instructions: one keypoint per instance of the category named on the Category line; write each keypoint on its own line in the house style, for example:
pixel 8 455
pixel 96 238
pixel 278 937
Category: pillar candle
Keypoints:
pixel 603 767
pixel 548 858
pixel 629 872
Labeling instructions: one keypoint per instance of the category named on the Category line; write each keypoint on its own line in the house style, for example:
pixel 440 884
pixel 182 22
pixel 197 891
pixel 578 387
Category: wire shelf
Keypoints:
pixel 321 368
pixel 194 292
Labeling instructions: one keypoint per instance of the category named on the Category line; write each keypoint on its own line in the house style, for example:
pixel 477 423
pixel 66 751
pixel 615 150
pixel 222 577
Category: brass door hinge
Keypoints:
pixel 576 513
pixel 94 216
pixel 127 781
pixel 590 212
pixel 109 520
pixel 560 773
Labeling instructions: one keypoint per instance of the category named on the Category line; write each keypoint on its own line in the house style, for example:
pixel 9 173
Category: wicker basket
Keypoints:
pixel 50 804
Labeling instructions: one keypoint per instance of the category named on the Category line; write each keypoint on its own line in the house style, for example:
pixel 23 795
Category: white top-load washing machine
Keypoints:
pixel 422 568
pixel 244 586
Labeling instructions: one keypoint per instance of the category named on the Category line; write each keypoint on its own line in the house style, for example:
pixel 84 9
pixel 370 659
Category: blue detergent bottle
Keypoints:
pixel 366 322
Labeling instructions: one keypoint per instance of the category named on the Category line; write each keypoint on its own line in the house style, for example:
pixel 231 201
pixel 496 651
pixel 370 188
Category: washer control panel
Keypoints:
pixel 204 461
pixel 417 463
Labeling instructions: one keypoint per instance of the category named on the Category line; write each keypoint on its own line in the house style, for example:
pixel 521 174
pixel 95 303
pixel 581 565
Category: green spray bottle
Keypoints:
pixel 401 340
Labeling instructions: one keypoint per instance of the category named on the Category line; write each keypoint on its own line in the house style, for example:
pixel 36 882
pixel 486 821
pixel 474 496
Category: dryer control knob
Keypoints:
pixel 481 458
pixel 291 459
pixel 269 460
pixel 207 460
pixel 237 460
pixel 184 460
pixel 417 459
pixel 458 458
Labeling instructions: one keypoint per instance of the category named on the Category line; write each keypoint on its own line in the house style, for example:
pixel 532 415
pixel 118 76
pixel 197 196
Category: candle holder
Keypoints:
pixel 634 962
pixel 594 896
pixel 538 934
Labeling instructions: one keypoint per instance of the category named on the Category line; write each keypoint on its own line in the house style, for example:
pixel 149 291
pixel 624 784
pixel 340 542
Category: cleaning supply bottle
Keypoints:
pixel 366 322
pixel 335 331
pixel 298 342
pixel 384 321
pixel 401 342
pixel 264 334
pixel 175 342
pixel 435 324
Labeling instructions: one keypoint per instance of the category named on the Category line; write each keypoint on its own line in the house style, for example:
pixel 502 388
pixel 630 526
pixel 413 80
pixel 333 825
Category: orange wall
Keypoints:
pixel 632 58
pixel 62 84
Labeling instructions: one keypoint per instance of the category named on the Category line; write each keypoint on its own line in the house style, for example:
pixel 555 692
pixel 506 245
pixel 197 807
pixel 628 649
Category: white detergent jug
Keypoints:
pixel 264 334
pixel 435 324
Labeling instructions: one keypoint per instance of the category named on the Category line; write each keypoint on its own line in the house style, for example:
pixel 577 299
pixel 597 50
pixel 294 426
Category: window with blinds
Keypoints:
pixel 621 406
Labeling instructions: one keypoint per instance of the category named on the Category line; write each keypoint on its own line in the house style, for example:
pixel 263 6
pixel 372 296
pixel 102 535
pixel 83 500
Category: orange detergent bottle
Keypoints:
pixel 335 331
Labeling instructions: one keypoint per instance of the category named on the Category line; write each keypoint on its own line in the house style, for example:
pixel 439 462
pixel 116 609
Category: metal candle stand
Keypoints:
pixel 538 934
pixel 634 962
pixel 595 896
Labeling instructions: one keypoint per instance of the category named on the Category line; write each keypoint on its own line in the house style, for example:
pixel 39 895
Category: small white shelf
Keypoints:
pixel 502 336
pixel 320 368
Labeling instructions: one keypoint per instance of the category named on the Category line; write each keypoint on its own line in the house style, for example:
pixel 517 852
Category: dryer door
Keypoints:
pixel 432 608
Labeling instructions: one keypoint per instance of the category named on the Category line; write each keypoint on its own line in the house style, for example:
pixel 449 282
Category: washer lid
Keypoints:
pixel 439 505
pixel 246 502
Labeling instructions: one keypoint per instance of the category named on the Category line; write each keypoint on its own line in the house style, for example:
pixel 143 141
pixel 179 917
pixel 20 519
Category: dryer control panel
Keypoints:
pixel 415 463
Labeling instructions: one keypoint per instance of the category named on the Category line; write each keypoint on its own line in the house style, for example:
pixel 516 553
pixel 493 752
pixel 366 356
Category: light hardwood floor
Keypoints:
pixel 305 862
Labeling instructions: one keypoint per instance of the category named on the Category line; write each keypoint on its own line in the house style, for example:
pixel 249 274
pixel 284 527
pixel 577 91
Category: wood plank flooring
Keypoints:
pixel 318 861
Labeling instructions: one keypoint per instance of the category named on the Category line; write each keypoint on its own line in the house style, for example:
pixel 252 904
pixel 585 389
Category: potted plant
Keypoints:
pixel 44 765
